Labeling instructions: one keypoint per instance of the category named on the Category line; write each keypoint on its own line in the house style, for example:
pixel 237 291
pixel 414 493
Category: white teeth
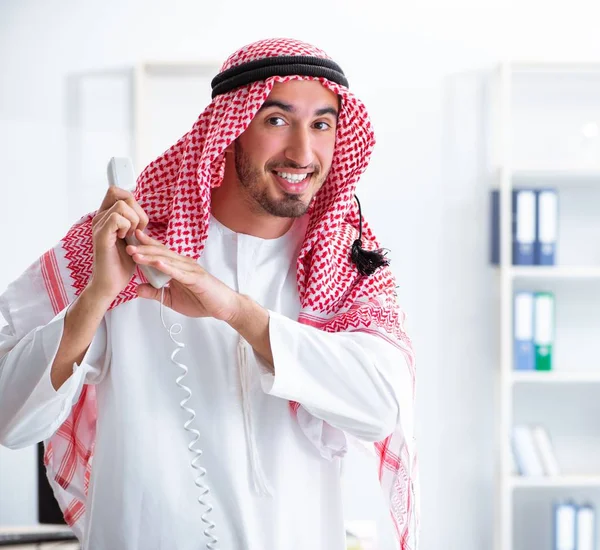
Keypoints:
pixel 292 178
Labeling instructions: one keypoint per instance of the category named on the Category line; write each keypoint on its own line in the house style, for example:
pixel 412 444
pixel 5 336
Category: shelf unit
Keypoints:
pixel 505 174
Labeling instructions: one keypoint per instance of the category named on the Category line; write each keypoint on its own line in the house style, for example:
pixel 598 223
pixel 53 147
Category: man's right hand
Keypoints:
pixel 119 216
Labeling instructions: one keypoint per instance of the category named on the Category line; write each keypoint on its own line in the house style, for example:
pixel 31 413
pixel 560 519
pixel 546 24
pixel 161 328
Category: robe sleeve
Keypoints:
pixel 354 381
pixel 31 410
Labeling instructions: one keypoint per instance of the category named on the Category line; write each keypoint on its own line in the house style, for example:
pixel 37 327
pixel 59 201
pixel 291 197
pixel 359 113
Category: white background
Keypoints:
pixel 422 193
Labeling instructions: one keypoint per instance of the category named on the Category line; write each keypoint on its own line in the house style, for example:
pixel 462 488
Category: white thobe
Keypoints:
pixel 142 493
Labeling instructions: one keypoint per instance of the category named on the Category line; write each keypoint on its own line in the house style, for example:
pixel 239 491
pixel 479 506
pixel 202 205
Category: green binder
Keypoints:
pixel 543 336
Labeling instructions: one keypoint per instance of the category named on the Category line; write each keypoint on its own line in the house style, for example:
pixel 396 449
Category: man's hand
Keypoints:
pixel 192 291
pixel 118 216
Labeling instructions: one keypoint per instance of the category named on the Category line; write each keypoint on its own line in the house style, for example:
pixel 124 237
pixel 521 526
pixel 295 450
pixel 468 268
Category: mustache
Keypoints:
pixel 315 169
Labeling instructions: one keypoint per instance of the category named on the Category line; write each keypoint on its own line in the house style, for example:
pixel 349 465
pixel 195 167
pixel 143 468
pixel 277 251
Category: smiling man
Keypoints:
pixel 277 166
pixel 294 340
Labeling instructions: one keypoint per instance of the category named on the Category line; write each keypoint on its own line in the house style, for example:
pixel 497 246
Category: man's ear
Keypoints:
pixel 230 147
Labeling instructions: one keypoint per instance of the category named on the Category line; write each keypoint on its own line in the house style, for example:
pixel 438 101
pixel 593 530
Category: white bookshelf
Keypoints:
pixel 570 162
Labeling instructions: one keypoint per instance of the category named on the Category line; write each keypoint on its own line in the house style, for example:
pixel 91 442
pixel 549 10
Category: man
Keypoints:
pixel 293 338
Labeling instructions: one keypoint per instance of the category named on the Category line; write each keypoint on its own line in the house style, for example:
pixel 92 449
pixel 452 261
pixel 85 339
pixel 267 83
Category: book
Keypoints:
pixel 545 451
pixel 525 451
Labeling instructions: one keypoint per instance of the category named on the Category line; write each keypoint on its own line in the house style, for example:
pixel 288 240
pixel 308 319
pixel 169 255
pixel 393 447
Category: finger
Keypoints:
pixel 151 247
pixel 149 255
pixel 147 239
pixel 115 195
pixel 100 217
pixel 180 271
pixel 149 292
pixel 122 208
pixel 151 251
pixel 114 223
pixel 143 217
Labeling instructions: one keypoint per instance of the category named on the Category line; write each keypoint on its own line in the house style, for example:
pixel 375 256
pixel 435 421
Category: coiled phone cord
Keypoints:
pixel 176 329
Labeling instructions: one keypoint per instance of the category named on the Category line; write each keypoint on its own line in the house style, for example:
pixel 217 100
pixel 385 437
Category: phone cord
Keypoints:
pixel 176 329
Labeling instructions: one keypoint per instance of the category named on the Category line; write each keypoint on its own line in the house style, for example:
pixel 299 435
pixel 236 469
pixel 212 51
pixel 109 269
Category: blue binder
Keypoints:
pixel 524 350
pixel 546 226
pixel 565 526
pixel 523 226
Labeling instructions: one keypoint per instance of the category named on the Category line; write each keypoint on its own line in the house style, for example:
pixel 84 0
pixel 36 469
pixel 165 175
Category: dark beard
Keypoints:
pixel 289 206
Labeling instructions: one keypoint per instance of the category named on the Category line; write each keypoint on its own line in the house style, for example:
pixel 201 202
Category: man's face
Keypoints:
pixel 284 156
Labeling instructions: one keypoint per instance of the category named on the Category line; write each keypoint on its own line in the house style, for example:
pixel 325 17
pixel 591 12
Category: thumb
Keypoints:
pixel 149 292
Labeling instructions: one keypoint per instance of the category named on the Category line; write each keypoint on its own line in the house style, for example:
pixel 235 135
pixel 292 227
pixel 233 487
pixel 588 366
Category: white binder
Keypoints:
pixel 545 451
pixel 565 526
pixel 586 527
pixel 526 455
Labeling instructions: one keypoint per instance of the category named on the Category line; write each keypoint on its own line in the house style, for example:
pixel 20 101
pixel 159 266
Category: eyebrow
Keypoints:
pixel 288 108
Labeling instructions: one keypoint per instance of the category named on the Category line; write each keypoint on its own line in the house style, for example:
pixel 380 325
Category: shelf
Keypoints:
pixel 538 178
pixel 556 67
pixel 555 272
pixel 555 178
pixel 555 377
pixel 518 482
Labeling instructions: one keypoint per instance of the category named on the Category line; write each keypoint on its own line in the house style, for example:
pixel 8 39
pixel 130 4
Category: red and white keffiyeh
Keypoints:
pixel 175 192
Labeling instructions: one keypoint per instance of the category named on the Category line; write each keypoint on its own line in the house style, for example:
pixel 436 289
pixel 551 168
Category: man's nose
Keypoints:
pixel 299 148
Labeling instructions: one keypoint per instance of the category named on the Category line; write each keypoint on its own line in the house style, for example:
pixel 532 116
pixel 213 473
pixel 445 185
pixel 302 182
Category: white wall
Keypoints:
pixel 421 193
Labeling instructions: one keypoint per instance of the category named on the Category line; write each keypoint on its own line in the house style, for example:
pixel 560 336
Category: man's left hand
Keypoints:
pixel 192 291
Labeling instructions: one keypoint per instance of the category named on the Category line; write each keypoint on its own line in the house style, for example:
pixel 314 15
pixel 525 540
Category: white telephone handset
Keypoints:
pixel 120 174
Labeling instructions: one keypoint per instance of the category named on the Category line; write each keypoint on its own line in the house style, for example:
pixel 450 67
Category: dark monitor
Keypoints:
pixel 48 509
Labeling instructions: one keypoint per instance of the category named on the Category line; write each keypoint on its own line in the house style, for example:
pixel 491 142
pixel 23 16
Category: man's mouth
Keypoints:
pixel 294 184
pixel 293 178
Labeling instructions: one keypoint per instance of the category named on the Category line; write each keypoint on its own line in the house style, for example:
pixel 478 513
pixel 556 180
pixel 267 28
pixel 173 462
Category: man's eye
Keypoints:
pixel 276 121
pixel 321 125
